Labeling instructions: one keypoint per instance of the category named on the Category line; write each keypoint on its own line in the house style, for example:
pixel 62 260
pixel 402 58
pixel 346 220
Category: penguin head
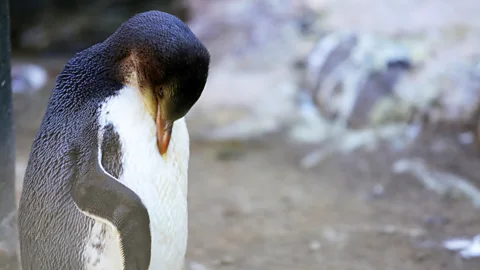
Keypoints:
pixel 159 55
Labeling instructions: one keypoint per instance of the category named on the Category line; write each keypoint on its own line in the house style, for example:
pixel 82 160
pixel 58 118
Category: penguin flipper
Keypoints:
pixel 99 195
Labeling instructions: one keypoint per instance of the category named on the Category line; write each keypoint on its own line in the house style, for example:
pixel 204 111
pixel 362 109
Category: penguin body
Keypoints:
pixel 164 194
pixel 106 182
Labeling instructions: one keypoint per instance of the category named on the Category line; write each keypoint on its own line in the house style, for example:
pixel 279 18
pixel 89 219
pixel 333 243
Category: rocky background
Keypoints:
pixel 332 134
pixel 59 27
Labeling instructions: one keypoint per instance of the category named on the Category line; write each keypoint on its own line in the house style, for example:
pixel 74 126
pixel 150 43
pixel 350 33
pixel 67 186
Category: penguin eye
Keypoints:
pixel 159 90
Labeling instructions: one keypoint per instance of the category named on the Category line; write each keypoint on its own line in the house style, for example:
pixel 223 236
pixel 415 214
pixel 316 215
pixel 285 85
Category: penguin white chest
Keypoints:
pixel 160 182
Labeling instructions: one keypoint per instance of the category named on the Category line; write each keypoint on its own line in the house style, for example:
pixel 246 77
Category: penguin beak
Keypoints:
pixel 164 131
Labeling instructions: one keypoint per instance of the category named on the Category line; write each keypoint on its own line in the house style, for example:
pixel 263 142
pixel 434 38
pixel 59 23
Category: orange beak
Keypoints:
pixel 164 131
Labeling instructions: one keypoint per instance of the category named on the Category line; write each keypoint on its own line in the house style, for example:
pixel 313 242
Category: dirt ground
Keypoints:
pixel 253 207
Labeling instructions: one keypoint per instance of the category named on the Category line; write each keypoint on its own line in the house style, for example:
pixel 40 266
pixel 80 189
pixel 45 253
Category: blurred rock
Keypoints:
pixel 441 182
pixel 362 84
pixel 348 90
pixel 28 78
pixel 70 26
pixel 445 92
pixel 9 236
pixel 252 30
pixel 251 88
pixel 444 86
pixel 314 245
pixel 196 266
pixel 465 247
pixel 352 78
pixel 436 220
pixel 224 261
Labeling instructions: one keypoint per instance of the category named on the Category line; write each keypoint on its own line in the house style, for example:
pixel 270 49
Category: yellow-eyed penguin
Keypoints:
pixel 106 182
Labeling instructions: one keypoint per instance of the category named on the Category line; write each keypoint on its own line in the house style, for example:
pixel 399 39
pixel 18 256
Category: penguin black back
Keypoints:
pixel 154 51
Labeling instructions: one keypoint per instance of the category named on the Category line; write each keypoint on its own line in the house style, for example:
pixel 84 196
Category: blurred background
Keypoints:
pixel 332 134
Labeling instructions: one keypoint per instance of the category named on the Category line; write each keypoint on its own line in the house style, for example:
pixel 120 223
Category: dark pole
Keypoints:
pixel 8 238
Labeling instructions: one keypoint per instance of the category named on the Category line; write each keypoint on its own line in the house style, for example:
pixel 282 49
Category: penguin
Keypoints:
pixel 106 181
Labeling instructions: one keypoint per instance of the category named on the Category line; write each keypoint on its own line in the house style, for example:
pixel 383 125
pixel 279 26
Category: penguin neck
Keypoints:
pixel 159 181
pixel 136 129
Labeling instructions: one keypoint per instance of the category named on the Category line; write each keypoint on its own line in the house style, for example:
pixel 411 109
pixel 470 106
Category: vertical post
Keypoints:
pixel 8 236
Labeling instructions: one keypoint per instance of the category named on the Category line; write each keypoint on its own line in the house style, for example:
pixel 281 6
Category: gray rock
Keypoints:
pixel 351 77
